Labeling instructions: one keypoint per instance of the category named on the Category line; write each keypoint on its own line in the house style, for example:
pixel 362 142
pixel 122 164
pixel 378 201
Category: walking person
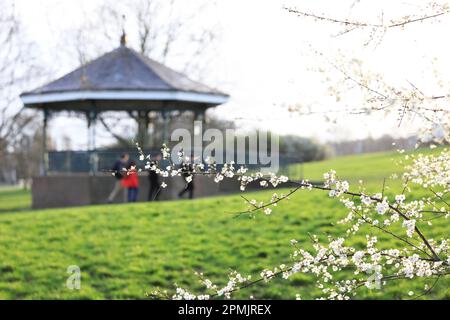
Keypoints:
pixel 153 180
pixel 118 172
pixel 186 172
pixel 131 182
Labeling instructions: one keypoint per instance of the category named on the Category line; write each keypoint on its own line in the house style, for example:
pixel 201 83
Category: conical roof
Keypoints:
pixel 123 74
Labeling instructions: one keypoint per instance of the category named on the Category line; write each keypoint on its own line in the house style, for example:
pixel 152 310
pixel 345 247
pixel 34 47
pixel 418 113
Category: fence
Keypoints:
pixel 75 162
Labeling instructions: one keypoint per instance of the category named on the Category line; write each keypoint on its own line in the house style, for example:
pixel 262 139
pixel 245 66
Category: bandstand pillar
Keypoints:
pixel 92 146
pixel 44 168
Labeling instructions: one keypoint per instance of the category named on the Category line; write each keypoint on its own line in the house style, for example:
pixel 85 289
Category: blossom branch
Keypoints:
pixel 360 24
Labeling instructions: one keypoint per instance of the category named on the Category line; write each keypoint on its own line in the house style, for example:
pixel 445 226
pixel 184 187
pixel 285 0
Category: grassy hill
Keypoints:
pixel 125 250
pixel 370 167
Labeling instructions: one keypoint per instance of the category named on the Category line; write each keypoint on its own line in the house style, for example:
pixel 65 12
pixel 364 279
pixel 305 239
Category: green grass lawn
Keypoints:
pixel 14 199
pixel 125 250
pixel 372 168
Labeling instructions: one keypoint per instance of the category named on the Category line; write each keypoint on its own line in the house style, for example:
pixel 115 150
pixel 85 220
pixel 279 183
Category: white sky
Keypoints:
pixel 266 60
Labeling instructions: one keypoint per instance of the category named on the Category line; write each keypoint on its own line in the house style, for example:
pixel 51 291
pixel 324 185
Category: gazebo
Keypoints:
pixel 120 80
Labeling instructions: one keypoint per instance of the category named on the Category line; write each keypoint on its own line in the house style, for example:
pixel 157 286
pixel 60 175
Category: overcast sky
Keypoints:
pixel 266 60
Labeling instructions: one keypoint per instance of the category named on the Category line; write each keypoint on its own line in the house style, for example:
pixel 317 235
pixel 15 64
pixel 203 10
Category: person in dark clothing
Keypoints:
pixel 118 173
pixel 186 173
pixel 154 185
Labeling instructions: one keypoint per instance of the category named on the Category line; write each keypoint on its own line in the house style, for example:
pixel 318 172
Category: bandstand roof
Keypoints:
pixel 123 79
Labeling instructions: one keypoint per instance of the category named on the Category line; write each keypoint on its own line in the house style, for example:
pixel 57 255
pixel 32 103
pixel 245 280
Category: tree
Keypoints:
pixel 378 95
pixel 17 68
pixel 418 250
pixel 166 31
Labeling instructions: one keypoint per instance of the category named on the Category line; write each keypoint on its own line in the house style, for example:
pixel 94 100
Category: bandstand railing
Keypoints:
pixel 102 161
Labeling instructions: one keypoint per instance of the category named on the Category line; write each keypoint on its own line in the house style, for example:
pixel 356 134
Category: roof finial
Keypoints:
pixel 123 37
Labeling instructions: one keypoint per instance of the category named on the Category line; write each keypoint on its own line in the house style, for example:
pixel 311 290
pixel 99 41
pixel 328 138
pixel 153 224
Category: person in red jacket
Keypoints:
pixel 131 182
